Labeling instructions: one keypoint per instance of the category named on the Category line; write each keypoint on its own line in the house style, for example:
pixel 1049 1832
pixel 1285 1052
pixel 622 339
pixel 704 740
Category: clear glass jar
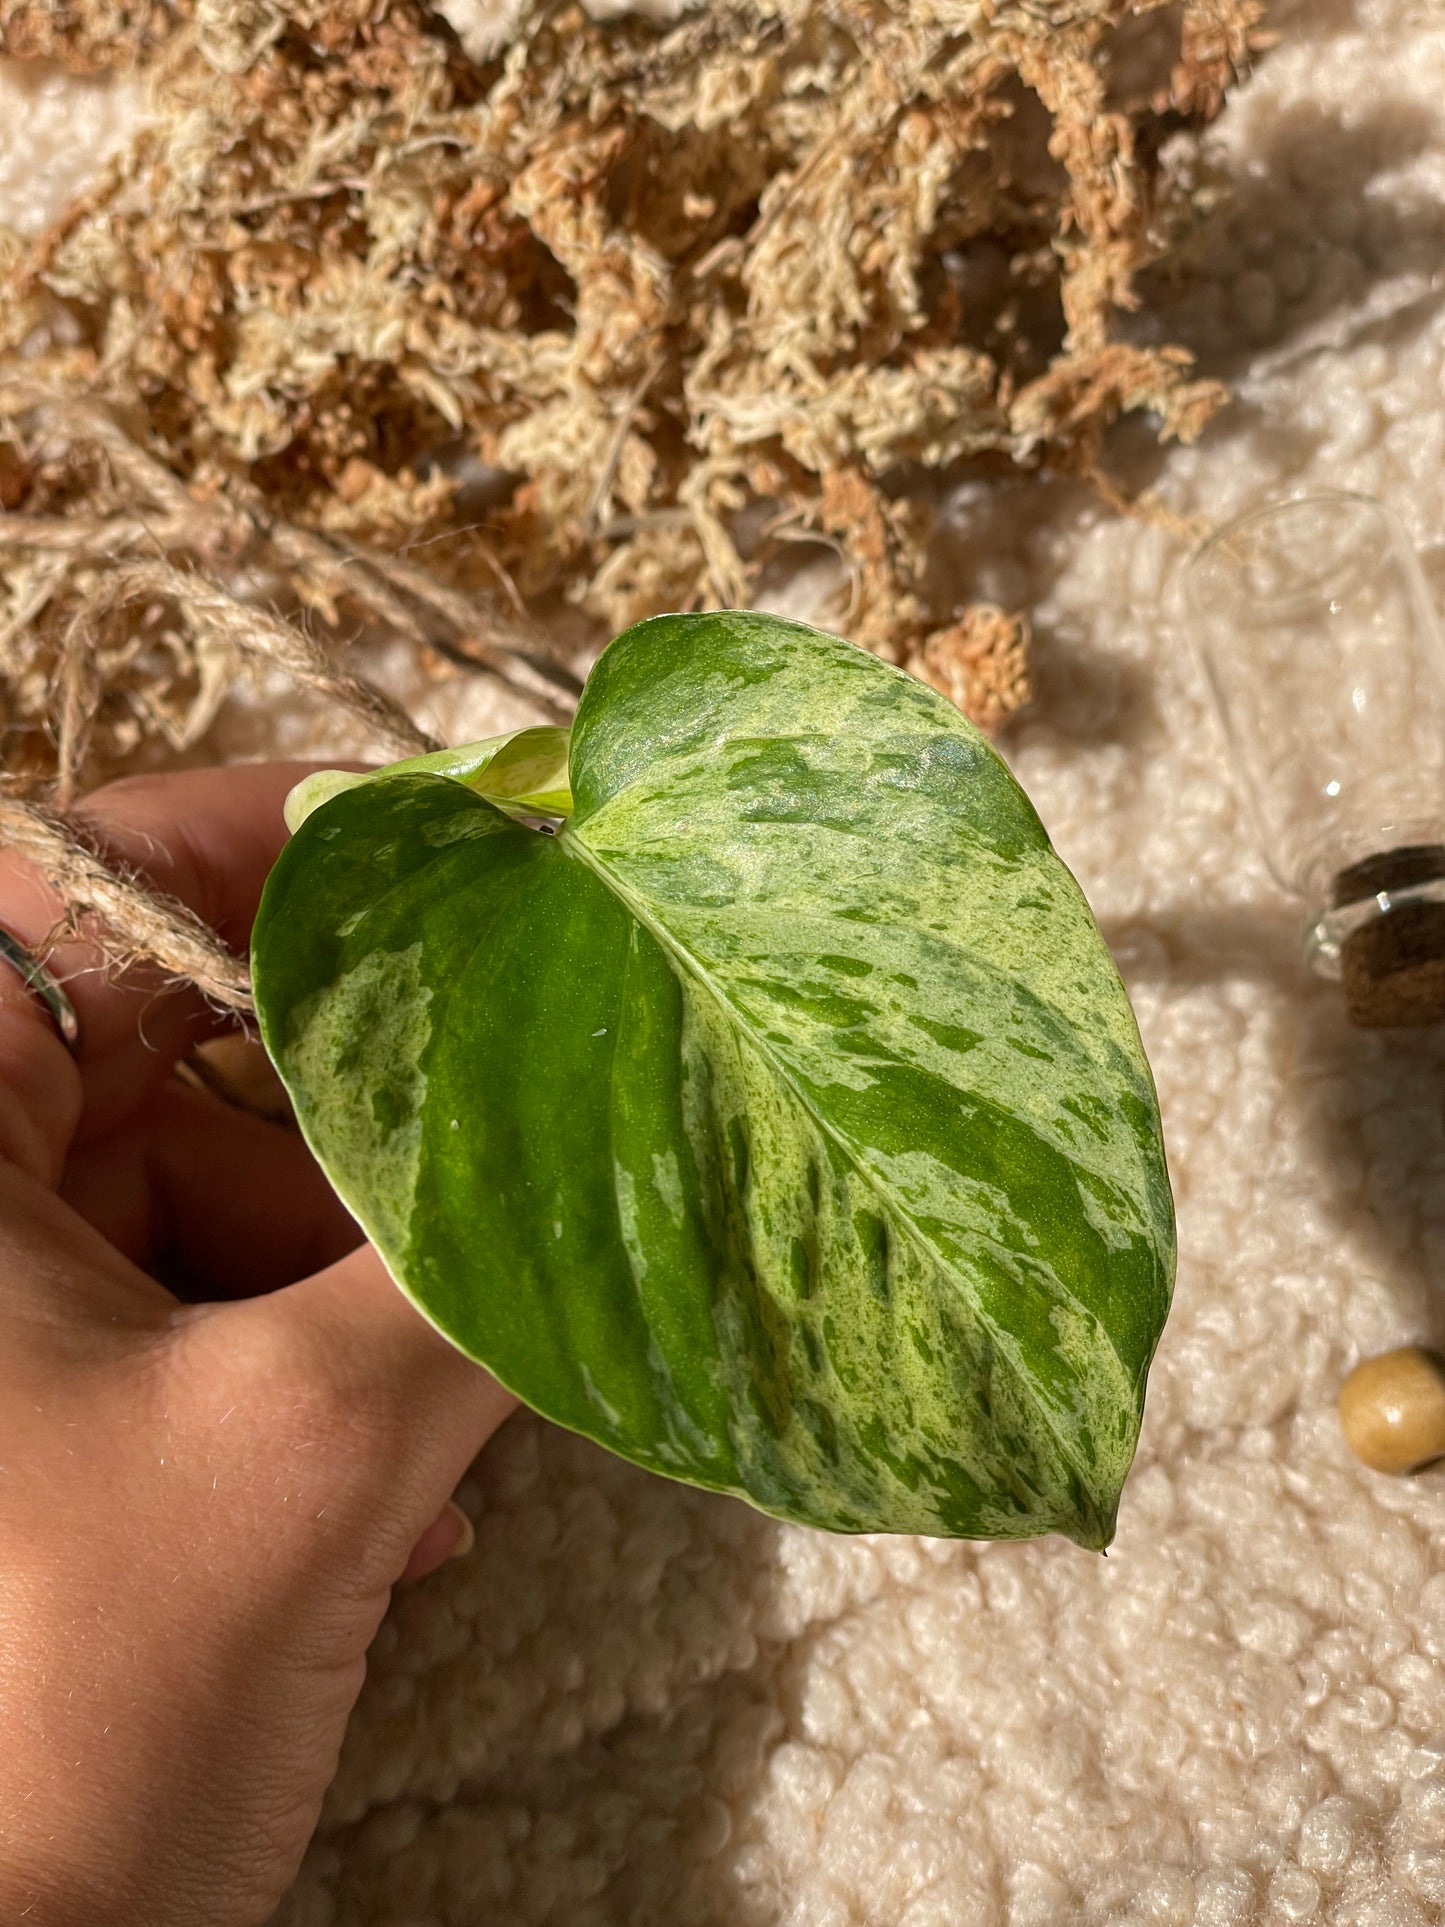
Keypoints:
pixel 1325 658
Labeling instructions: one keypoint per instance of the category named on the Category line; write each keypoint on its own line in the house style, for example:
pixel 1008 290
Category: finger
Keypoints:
pixel 211 1200
pixel 411 1410
pixel 64 1286
pixel 244 1205
pixel 451 1535
pixel 208 837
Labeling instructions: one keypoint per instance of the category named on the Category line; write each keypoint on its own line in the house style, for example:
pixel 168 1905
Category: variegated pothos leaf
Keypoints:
pixel 781 1123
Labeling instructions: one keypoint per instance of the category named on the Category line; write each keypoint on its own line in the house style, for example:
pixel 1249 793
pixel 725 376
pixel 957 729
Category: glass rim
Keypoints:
pixel 1312 498
pixel 1388 521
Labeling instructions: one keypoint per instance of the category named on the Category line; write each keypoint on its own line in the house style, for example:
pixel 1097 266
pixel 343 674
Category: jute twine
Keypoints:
pixel 174 546
pixel 142 921
pixel 249 631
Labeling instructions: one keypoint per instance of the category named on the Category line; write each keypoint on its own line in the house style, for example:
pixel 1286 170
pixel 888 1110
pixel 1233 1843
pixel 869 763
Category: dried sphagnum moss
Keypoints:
pixel 88 36
pixel 608 315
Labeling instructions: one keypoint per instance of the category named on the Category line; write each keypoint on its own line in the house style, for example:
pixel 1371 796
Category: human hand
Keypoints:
pixel 203 1505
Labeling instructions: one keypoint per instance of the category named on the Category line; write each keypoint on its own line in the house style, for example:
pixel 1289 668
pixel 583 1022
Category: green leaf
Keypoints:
pixel 523 773
pixel 782 1123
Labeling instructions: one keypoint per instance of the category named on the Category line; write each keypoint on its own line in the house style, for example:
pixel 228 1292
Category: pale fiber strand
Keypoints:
pixel 355 575
pixel 97 535
pixel 147 924
pixel 224 532
pixel 554 688
pixel 216 525
pixel 76 419
pixel 255 633
pixel 338 574
pixel 80 691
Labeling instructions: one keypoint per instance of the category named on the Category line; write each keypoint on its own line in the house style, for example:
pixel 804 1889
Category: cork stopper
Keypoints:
pixel 1393 965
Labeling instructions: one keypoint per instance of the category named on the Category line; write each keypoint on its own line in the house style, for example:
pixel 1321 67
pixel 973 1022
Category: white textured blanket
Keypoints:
pixel 638 1706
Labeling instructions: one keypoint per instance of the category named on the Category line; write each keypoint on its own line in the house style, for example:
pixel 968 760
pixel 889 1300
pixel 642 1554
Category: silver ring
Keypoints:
pixel 39 981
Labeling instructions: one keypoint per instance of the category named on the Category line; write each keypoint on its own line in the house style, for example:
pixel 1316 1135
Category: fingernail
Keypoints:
pixel 451 1535
pixel 466 1531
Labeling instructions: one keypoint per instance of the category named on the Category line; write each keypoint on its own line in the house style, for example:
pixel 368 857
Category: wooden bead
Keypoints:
pixel 1393 1409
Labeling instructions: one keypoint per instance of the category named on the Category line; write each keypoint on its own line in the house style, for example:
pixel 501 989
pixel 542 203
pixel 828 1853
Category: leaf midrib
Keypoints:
pixel 570 840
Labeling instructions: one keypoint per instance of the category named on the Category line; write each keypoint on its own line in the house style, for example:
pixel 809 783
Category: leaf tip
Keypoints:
pixel 1093 1525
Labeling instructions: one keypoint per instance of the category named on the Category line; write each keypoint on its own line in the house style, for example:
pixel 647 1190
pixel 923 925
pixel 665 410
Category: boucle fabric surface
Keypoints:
pixel 634 1704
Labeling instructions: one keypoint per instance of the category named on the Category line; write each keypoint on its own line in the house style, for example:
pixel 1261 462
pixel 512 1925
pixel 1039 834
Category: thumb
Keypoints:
pixel 398 1410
